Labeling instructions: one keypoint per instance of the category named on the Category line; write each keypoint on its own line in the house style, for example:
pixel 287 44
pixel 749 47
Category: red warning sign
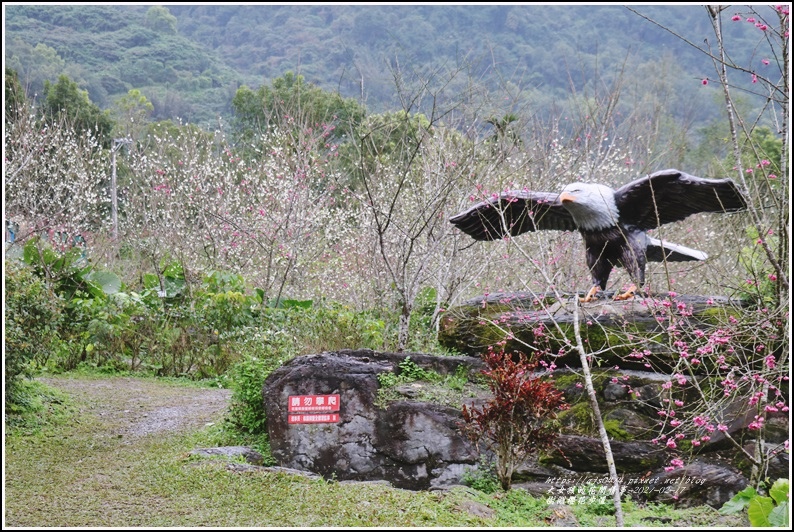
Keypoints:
pixel 313 409
pixel 313 418
pixel 313 403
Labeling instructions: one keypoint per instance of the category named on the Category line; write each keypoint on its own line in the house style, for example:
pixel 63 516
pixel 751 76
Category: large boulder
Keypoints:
pixel 516 319
pixel 413 445
pixel 695 484
pixel 586 454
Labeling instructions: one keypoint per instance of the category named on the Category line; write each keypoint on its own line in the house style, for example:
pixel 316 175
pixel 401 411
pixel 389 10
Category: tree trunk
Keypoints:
pixel 588 379
pixel 404 326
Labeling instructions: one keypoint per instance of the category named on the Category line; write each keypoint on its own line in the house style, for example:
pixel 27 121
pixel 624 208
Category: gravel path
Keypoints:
pixel 139 407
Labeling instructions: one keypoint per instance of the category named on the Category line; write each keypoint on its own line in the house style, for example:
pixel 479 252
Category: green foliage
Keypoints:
pixel 224 303
pixel 132 112
pixel 159 19
pixel 762 511
pixel 114 47
pixel 327 326
pixel 170 330
pixel 33 312
pixel 412 372
pixel 168 283
pixel 764 151
pixel 602 505
pixel 384 139
pixel 483 478
pixel 423 311
pixel 246 379
pixel 762 285
pixel 65 99
pixel 408 371
pixel 429 386
pixel 14 96
pixel 292 102
pixel 68 271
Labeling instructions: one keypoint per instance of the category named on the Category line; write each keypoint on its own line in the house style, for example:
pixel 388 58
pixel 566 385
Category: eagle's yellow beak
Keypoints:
pixel 567 198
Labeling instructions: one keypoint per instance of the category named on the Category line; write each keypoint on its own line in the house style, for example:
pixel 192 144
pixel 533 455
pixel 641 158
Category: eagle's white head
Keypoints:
pixel 592 206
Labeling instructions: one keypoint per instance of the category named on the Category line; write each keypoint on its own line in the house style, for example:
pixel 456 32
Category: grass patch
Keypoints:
pixel 419 384
pixel 37 405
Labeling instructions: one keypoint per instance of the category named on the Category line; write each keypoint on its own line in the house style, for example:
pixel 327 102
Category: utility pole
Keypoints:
pixel 114 202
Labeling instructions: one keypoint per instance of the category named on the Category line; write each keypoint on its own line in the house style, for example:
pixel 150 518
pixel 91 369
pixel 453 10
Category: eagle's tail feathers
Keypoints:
pixel 658 250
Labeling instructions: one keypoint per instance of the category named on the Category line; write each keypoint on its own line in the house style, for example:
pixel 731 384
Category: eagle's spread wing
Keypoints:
pixel 514 212
pixel 672 195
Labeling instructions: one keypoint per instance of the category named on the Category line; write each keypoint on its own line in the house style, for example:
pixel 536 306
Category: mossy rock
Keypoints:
pixel 629 333
pixel 616 431
pixel 627 425
pixel 578 419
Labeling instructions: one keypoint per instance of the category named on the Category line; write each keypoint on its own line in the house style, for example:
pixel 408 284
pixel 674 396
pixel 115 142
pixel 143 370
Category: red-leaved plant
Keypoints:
pixel 513 424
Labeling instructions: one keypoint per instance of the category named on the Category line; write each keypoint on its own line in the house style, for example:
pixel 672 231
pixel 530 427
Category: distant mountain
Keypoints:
pixel 190 59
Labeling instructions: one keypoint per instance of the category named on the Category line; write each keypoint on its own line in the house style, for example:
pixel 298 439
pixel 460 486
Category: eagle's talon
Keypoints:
pixel 591 295
pixel 628 294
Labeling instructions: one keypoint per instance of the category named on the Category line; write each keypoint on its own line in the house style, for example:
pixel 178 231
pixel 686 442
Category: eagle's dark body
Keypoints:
pixel 613 223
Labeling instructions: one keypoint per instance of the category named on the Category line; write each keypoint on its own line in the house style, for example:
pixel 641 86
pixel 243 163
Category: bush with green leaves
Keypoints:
pixel 408 371
pixel 483 478
pixel 33 312
pixel 68 271
pixel 326 326
pixel 261 353
pixel 762 511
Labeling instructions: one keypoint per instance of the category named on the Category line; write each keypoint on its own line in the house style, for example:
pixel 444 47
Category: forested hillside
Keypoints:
pixel 189 60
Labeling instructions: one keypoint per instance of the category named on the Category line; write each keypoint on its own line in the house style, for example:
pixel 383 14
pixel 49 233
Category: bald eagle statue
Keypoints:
pixel 613 223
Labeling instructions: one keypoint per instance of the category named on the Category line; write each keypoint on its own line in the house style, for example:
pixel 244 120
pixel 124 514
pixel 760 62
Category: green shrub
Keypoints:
pixel 409 371
pixel 32 314
pixel 68 272
pixel 483 478
pixel 450 390
pixel 762 511
pixel 261 355
pixel 327 327
pixel 247 411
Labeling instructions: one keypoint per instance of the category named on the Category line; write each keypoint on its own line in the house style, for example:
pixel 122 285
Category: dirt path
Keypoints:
pixel 139 407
